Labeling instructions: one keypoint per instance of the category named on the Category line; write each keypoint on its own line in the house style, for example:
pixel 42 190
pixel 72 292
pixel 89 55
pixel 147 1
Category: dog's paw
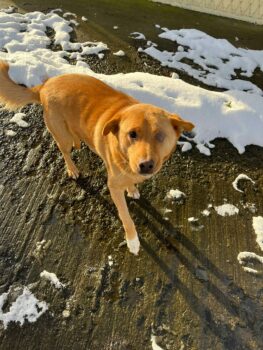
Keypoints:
pixel 73 173
pixel 135 194
pixel 133 245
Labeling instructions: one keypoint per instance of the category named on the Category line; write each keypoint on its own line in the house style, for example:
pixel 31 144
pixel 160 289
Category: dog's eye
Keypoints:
pixel 133 135
pixel 160 136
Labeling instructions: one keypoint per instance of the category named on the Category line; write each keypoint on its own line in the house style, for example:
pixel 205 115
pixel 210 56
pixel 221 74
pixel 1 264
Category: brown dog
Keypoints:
pixel 132 138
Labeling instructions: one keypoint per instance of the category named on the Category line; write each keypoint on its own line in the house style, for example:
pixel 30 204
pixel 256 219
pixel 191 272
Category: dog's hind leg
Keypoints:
pixel 64 139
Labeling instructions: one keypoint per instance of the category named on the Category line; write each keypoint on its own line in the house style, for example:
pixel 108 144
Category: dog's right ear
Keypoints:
pixel 111 126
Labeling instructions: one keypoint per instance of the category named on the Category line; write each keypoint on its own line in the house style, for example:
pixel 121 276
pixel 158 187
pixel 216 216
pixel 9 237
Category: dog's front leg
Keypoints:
pixel 133 192
pixel 131 236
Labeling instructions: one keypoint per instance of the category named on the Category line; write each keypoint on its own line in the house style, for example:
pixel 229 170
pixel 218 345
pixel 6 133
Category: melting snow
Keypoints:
pixel 138 36
pixel 258 228
pixel 226 210
pixel 175 194
pixel 155 346
pixel 11 133
pixel 18 119
pixel 25 307
pixel 119 53
pixel 205 212
pixel 235 115
pixel 240 177
pixel 192 219
pixel 249 257
pixel 110 260
pixel 52 278
pixel 215 61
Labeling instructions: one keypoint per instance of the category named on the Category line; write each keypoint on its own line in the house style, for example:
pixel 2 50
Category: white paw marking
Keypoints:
pixel 133 245
pixel 134 195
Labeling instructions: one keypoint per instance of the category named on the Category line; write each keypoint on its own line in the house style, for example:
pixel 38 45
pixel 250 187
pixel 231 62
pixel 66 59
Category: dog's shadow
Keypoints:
pixel 238 305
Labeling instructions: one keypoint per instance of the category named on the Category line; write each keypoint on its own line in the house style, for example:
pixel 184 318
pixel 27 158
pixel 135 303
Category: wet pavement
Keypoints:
pixel 186 286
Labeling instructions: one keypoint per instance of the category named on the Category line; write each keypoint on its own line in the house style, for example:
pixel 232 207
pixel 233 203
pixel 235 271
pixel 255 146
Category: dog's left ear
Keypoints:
pixel 179 124
pixel 111 126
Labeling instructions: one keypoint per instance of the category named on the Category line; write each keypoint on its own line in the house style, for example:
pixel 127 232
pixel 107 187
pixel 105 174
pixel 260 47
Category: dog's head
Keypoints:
pixel 147 136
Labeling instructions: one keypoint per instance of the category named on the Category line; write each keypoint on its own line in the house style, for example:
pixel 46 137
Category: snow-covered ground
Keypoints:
pixel 212 61
pixel 235 115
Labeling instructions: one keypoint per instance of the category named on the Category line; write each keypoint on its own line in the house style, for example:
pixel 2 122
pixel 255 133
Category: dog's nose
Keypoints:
pixel 146 167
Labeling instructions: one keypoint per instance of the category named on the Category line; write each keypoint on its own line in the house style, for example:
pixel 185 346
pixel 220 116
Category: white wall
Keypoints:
pixel 246 10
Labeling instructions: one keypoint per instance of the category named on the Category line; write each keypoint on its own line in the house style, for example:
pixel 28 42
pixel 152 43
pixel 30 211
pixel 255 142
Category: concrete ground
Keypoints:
pixel 186 286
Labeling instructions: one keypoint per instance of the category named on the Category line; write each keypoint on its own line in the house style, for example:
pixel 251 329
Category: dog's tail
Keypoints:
pixel 12 95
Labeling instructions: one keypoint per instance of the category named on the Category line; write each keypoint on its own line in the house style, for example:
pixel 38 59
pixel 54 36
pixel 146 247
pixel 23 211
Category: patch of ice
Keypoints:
pixel 119 53
pixel 227 210
pixel 18 119
pixel 25 307
pixel 52 278
pixel 241 177
pixel 116 27
pixel 175 194
pixel 84 19
pixel 258 228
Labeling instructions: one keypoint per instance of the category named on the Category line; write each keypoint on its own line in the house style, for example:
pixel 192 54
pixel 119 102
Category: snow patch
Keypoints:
pixel 137 36
pixel 241 177
pixel 235 115
pixel 52 278
pixel 11 133
pixel 25 307
pixel 18 119
pixel 205 212
pixel 175 194
pixel 186 146
pixel 110 260
pixel 258 228
pixel 227 210
pixel 155 346
pixel 192 219
pixel 214 61
pixel 119 53
pixel 245 258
